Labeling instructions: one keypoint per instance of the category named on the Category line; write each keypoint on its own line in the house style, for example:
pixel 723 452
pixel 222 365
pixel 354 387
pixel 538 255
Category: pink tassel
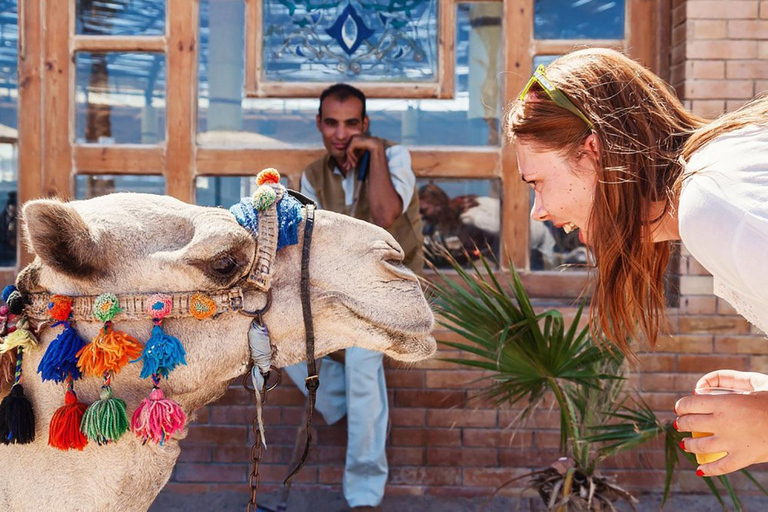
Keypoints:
pixel 157 418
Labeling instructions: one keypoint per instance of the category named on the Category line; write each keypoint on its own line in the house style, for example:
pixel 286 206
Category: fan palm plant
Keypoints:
pixel 528 355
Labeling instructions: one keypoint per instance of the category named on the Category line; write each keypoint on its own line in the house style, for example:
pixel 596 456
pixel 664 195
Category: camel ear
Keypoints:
pixel 61 238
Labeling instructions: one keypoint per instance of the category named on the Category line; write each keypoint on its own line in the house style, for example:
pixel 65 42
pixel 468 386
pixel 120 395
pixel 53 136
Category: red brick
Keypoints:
pixel 669 382
pixel 201 416
pixel 664 402
pixel 336 435
pixel 425 476
pixel 698 305
pixel 748 29
pixel 520 458
pixel 217 435
pixel 330 474
pixel 634 459
pixel 242 454
pixel 241 415
pixel 405 379
pixel 741 345
pixel 425 437
pixel 462 379
pixel 720 49
pixel 462 457
pixel 192 472
pixel 496 438
pixel 653 363
pixel 709 29
pixel 285 395
pixel 717 9
pixel 277 473
pixel 640 480
pixel 407 417
pixel 724 308
pixel 714 324
pixel 429 398
pixel 405 456
pixel 747 69
pixel 195 453
pixel 408 490
pixel 702 364
pixel 700 344
pixel 705 89
pixel 235 395
pixel 764 9
pixel 547 439
pixel 461 418
pixel 493 477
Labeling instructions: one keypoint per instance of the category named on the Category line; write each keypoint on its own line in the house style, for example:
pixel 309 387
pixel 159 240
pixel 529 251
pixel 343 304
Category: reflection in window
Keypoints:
pixel 462 216
pixel 470 119
pixel 120 98
pixel 87 187
pixel 369 41
pixel 225 191
pixel 120 17
pixel 579 19
pixel 9 36
pixel 554 249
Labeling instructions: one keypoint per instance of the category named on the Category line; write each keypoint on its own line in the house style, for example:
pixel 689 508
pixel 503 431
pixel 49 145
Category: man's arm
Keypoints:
pixel 386 204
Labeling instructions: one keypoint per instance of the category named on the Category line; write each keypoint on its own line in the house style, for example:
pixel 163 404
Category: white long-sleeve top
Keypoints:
pixel 723 218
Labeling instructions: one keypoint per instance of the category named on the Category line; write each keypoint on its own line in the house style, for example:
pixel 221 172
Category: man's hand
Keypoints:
pixel 739 422
pixel 357 146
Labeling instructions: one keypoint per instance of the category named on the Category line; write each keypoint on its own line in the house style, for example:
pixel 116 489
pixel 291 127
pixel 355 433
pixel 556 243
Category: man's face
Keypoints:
pixel 340 121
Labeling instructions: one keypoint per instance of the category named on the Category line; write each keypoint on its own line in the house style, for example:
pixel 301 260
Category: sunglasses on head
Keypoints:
pixel 560 99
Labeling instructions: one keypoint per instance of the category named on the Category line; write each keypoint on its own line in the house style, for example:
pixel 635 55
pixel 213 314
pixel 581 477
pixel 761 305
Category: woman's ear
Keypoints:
pixel 591 149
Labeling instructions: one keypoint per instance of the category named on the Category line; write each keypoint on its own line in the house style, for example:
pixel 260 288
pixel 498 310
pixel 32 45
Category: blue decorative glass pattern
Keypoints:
pixel 579 19
pixel 359 40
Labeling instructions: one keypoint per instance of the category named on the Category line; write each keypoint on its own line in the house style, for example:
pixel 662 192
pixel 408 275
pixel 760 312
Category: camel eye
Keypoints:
pixel 224 265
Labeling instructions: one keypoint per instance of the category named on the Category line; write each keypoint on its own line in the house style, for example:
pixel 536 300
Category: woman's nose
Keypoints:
pixel 538 212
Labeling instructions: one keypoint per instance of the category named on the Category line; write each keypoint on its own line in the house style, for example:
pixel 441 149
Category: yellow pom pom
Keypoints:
pixel 268 175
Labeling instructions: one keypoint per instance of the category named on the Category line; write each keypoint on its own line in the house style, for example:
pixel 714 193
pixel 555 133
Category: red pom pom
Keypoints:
pixel 60 307
pixel 269 175
pixel 64 432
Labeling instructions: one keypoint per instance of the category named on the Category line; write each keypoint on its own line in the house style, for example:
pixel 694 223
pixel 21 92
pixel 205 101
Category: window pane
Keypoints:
pixel 87 187
pixel 9 35
pixel 543 59
pixel 579 19
pixel 120 17
pixel 553 249
pixel 370 41
pixel 225 191
pixel 462 216
pixel 120 98
pixel 471 119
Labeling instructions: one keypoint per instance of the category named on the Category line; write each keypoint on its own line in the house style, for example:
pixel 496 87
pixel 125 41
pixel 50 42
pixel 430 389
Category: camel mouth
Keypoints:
pixel 410 341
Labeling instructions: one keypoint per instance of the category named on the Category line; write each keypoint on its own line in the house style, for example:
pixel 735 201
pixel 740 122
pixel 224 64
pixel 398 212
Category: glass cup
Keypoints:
pixel 706 458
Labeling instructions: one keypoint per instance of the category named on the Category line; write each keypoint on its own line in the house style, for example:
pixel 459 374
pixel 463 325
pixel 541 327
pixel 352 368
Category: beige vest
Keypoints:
pixel 330 193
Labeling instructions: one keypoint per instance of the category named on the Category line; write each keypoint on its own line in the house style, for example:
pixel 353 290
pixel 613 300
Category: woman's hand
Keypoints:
pixel 739 422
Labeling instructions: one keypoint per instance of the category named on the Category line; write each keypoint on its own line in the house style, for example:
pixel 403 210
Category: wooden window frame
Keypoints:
pixel 442 87
pixel 47 73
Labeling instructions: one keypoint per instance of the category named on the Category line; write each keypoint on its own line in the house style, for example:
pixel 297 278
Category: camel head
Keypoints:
pixel 361 294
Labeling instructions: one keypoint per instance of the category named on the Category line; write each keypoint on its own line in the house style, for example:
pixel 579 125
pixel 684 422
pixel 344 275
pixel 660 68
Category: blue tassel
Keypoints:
pixel 162 353
pixel 60 359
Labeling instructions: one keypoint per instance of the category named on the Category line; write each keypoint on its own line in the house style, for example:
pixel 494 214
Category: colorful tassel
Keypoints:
pixel 106 420
pixel 157 418
pixel 60 359
pixel 162 352
pixel 22 337
pixel 268 175
pixel 17 418
pixel 111 349
pixel 64 432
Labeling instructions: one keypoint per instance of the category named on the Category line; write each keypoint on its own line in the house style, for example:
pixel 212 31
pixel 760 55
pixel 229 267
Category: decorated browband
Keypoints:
pixel 69 358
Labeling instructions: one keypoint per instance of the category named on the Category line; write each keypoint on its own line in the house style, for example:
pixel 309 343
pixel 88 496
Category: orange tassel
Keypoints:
pixel 109 351
pixel 64 432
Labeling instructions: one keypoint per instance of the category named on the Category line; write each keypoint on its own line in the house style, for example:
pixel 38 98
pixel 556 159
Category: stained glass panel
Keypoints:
pixel 361 41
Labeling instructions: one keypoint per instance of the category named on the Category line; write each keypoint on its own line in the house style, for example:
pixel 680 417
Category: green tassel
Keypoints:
pixel 105 420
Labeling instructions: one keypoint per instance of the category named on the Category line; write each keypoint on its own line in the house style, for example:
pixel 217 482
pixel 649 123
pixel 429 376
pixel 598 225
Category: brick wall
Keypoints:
pixel 441 444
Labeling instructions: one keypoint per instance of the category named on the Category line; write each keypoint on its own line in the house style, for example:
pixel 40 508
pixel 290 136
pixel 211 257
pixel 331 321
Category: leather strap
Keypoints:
pixel 312 382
